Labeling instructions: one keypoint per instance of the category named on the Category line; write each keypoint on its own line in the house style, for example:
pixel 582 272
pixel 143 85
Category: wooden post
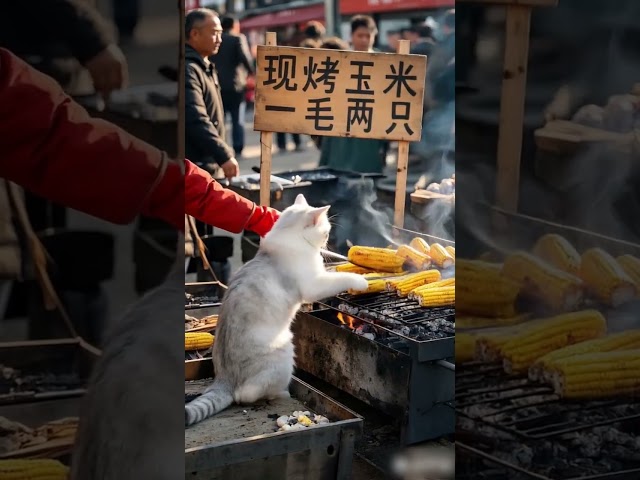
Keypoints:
pixel 402 164
pixel 266 143
pixel 181 82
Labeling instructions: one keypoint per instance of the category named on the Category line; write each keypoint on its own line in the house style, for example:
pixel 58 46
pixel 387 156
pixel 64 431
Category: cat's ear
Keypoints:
pixel 300 200
pixel 317 213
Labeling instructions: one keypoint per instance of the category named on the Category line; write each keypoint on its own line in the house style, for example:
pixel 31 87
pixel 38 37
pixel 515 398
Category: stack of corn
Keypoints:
pixel 484 291
pixel 417 259
pixel 555 288
pixel 557 251
pixel 544 366
pixel 605 278
pixel 197 341
pixel 377 259
pixel 33 469
pixel 402 286
pixel 597 375
pixel 431 294
pixel 549 334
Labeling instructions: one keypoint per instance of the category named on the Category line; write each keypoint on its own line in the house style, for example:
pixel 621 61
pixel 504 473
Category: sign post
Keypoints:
pixel 340 94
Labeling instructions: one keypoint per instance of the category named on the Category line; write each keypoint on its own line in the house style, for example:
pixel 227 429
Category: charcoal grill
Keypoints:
pixel 396 360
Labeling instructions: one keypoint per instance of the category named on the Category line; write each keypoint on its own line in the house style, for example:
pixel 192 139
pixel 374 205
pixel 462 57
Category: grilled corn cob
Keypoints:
pixel 489 342
pixel 437 297
pixel 465 347
pixel 377 259
pixel 598 375
pixel 411 282
pixel 557 251
pixel 375 285
pixel 420 245
pixel 451 250
pixel 440 256
pixel 628 340
pixel 197 340
pixel 447 282
pixel 417 259
pixel 558 290
pixel 484 291
pixel 350 267
pixel 33 469
pixel 631 266
pixel 605 278
pixel 486 322
pixel 550 334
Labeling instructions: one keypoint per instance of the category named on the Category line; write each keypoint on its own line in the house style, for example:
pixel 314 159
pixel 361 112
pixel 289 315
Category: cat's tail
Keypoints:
pixel 215 399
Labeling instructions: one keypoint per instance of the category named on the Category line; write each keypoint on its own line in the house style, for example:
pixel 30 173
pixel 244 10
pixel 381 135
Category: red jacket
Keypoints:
pixel 52 147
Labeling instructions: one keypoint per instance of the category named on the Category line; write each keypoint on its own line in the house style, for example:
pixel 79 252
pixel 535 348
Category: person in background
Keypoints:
pixel 310 43
pixel 204 114
pixel 393 37
pixel 356 154
pixel 126 14
pixel 425 43
pixel 412 34
pixel 314 30
pixel 234 64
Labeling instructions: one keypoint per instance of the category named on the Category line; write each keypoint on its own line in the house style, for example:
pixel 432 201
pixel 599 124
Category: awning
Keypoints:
pixel 352 7
pixel 285 17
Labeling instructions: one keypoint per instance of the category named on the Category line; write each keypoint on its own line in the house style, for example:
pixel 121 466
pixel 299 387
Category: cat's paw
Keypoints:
pixel 359 283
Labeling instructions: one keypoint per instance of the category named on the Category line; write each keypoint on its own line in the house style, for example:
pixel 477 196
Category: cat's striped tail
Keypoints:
pixel 215 399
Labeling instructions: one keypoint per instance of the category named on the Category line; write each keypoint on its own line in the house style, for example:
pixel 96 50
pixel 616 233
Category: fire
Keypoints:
pixel 347 320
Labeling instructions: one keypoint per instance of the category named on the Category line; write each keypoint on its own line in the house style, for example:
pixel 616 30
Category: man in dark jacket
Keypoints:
pixel 234 63
pixel 204 114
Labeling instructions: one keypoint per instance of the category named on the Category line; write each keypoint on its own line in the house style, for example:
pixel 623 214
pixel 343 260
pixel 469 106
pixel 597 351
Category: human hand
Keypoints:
pixel 230 168
pixel 108 70
pixel 262 220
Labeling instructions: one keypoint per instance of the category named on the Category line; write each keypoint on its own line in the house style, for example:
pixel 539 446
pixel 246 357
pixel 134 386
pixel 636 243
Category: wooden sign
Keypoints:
pixel 339 93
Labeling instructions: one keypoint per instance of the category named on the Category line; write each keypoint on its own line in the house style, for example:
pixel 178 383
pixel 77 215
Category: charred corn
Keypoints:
pixel 351 268
pixel 413 257
pixel 557 251
pixel 197 340
pixel 631 266
pixel 437 297
pixel 558 290
pixel 465 344
pixel 33 469
pixel 420 245
pixel 411 282
pixel 484 291
pixel 549 334
pixel 451 250
pixel 598 375
pixel 440 256
pixel 375 285
pixel 605 278
pixel 377 259
pixel 628 340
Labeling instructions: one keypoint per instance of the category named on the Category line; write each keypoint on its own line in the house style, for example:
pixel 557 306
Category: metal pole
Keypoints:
pixel 332 17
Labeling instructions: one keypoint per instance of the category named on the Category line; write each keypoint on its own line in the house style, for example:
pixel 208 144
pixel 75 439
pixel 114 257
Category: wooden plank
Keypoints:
pixel 512 106
pixel 402 162
pixel 266 145
pixel 352 94
pixel 563 136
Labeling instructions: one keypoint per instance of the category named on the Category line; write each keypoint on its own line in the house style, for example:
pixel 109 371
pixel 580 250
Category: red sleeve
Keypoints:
pixel 52 147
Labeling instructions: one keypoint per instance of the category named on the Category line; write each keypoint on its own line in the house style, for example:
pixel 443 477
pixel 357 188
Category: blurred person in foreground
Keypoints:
pixel 356 154
pixel 205 131
pixel 234 64
pixel 97 168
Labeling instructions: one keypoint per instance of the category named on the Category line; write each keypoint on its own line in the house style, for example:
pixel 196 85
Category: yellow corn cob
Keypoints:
pixel 451 250
pixel 33 469
pixel 555 288
pixel 447 282
pixel 465 347
pixel 438 297
pixel 549 334
pixel 350 267
pixel 416 280
pixel 483 290
pixel 440 256
pixel 375 285
pixel 374 275
pixel 486 322
pixel 605 278
pixel 631 266
pixel 489 342
pixel 378 259
pixel 557 251
pixel 420 245
pixel 628 340
pixel 417 259
pixel 598 375
pixel 197 340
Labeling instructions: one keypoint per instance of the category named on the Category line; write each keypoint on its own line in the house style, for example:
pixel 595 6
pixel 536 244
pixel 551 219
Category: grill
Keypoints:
pixel 529 425
pixel 388 352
